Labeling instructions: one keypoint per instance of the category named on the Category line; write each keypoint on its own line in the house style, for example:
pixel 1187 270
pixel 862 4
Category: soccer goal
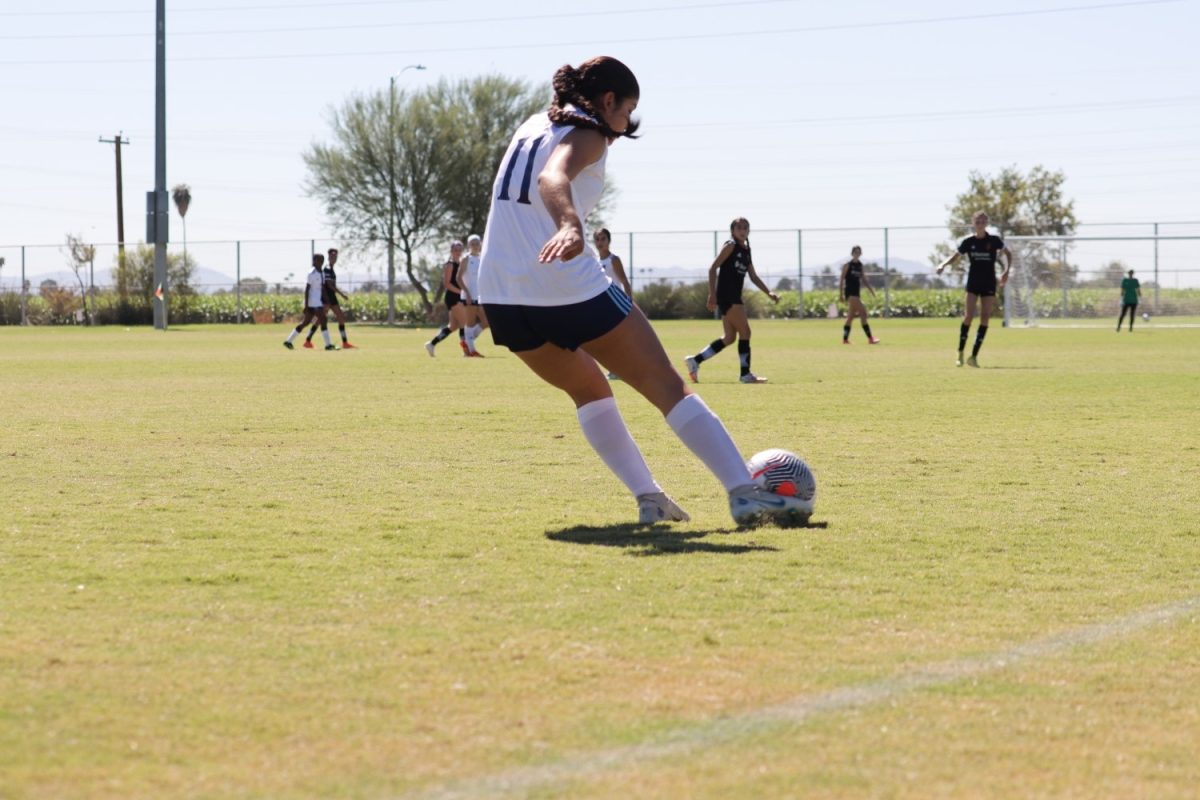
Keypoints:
pixel 1079 277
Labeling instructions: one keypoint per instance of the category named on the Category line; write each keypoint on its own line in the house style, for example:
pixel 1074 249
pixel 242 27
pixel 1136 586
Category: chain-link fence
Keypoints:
pixel 239 281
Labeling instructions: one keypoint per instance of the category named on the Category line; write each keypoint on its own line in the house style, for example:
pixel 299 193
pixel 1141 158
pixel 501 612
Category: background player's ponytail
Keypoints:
pixel 581 86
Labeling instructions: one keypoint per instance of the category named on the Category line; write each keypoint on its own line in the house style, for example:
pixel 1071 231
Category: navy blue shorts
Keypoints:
pixel 522 328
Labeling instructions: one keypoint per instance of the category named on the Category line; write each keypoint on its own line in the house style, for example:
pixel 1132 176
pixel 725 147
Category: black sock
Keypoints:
pixel 963 330
pixel 846 332
pixel 744 355
pixel 867 330
pixel 442 334
pixel 311 331
pixel 982 332
pixel 714 347
pixel 462 334
pixel 342 331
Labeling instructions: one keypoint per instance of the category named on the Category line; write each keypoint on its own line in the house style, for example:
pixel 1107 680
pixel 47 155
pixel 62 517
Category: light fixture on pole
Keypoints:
pixel 391 227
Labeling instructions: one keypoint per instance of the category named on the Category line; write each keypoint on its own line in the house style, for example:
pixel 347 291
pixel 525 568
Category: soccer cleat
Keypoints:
pixel 959 361
pixel 308 345
pixel 612 376
pixel 658 507
pixel 693 368
pixel 429 349
pixel 331 347
pixel 845 341
pixel 750 377
pixel 752 506
pixel 971 362
pixel 347 346
pixel 288 345
pixel 873 340
pixel 475 354
pixel 463 344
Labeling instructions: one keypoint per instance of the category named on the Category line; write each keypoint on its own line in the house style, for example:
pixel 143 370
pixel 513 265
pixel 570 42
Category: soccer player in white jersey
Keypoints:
pixel 314 304
pixel 611 264
pixel 468 278
pixel 548 299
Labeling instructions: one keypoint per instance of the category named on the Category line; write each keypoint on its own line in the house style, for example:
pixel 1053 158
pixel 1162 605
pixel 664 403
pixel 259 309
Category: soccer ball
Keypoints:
pixel 1146 316
pixel 784 473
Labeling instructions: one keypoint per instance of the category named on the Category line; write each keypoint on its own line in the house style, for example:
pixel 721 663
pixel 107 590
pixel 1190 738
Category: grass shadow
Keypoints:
pixel 650 540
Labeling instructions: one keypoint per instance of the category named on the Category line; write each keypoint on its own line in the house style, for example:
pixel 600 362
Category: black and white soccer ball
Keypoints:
pixel 1146 316
pixel 784 473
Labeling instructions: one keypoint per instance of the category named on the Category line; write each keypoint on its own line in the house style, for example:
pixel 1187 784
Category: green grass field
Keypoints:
pixel 228 570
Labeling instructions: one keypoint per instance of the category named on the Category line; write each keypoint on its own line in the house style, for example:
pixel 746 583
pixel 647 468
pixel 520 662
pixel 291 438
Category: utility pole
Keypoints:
pixel 118 141
pixel 158 207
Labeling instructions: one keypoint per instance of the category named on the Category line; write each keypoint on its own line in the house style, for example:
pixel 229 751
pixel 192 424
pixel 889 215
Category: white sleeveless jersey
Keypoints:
pixel 471 274
pixel 519 225
pixel 606 265
pixel 313 293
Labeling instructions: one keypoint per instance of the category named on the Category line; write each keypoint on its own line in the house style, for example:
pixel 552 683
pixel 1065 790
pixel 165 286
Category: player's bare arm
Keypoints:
pixel 579 149
pixel 759 283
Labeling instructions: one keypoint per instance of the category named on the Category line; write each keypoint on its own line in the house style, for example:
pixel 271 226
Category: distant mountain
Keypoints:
pixel 204 280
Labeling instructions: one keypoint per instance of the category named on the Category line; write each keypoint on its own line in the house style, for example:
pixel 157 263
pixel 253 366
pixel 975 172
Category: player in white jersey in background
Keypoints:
pixel 468 278
pixel 314 304
pixel 547 297
pixel 613 268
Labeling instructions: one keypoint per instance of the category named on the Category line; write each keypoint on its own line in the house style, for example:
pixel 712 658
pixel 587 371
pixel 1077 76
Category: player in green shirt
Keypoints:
pixel 1131 290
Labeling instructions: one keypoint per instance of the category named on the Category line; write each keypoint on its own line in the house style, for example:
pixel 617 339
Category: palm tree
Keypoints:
pixel 182 193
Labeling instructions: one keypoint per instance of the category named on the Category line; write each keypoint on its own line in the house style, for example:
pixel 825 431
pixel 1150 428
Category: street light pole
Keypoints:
pixel 392 221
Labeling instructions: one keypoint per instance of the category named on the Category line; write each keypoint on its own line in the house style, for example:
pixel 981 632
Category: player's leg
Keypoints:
pixel 341 323
pixel 715 346
pixel 308 316
pixel 969 305
pixel 1132 314
pixel 987 303
pixel 736 321
pixel 323 319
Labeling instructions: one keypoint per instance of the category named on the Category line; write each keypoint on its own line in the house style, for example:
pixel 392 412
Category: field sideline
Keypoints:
pixel 230 570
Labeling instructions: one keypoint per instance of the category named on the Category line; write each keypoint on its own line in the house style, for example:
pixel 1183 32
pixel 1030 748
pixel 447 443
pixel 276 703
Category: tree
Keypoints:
pixel 182 194
pixel 79 256
pixel 138 272
pixel 484 112
pixel 1017 205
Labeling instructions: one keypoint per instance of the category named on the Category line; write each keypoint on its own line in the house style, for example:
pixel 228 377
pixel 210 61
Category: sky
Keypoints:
pixel 799 115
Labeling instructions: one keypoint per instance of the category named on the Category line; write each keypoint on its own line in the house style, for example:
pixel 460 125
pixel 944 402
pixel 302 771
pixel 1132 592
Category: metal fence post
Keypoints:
pixel 24 288
pixel 887 295
pixel 1156 268
pixel 800 273
pixel 1062 264
pixel 238 285
pixel 631 286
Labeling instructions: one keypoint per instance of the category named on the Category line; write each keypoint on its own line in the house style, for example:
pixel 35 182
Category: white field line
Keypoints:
pixel 684 741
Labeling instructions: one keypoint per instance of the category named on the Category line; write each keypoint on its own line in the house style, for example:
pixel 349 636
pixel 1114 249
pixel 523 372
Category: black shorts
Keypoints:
pixel 982 286
pixel 452 299
pixel 723 307
pixel 314 310
pixel 856 295
pixel 332 300
pixel 522 328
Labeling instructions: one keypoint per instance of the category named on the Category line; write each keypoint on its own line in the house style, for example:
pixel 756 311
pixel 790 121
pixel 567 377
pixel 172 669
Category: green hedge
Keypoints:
pixel 660 300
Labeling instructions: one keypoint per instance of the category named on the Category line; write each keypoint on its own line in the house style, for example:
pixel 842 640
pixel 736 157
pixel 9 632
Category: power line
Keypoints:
pixel 411 23
pixel 308 56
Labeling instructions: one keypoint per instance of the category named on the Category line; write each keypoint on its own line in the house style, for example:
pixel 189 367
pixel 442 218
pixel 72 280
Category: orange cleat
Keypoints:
pixel 308 345
pixel 348 346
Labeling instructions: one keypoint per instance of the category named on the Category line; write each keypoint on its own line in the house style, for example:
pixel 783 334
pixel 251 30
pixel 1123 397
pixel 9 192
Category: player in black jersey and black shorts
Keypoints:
pixel 983 249
pixel 726 277
pixel 456 312
pixel 853 279
pixel 329 293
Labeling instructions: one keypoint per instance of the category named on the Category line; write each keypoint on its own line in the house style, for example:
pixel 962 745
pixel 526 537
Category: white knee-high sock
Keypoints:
pixel 325 334
pixel 701 430
pixel 605 431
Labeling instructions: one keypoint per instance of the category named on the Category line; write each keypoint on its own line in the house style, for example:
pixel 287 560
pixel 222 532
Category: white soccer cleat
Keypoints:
pixel 429 349
pixel 658 507
pixel 750 377
pixel 693 368
pixel 752 506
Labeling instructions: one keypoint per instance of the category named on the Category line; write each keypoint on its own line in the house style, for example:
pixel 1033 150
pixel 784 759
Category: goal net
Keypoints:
pixel 1079 277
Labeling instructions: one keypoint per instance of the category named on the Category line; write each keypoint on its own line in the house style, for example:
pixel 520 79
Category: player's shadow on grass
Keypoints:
pixel 650 540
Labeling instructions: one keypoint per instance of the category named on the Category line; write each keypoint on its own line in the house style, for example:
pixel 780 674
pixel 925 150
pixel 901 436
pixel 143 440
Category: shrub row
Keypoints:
pixel 659 300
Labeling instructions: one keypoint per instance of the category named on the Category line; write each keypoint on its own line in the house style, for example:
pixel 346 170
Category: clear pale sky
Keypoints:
pixel 794 114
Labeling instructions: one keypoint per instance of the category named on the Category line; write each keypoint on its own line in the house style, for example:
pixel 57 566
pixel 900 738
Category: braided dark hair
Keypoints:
pixel 581 86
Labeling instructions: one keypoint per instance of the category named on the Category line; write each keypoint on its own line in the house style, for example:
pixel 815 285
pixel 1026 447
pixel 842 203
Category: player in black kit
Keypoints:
pixel 456 312
pixel 329 293
pixel 726 277
pixel 983 249
pixel 853 279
